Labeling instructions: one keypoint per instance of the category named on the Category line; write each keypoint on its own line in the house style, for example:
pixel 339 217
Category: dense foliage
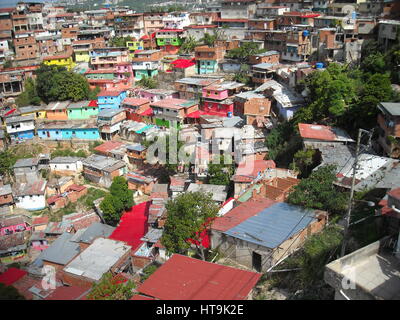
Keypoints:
pixel 188 45
pixel 29 96
pixel 243 52
pixel 117 201
pixel 221 173
pixel 119 41
pixel 111 288
pixel 188 215
pixel 9 293
pixel 318 192
pixel 57 84
pixel 148 83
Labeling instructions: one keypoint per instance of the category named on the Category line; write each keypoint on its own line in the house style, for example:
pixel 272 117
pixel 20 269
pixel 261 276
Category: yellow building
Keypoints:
pixel 133 46
pixel 82 56
pixel 60 60
pixel 38 111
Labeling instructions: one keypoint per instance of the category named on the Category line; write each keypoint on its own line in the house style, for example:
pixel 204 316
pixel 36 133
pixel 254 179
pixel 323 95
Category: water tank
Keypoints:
pixel 319 65
pixel 230 114
pixel 306 33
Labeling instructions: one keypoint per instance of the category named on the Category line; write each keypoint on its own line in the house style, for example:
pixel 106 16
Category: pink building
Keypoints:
pixel 154 95
pixel 218 98
pixel 14 224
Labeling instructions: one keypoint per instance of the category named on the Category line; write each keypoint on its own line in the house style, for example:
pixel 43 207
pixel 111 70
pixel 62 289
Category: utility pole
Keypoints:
pixel 348 214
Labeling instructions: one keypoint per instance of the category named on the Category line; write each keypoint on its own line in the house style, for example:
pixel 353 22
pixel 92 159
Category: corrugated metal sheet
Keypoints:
pixel 273 225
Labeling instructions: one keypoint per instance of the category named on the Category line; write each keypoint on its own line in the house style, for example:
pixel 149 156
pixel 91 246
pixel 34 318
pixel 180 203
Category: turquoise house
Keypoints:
pixel 62 130
pixel 139 74
pixel 82 110
pixel 108 99
pixel 207 66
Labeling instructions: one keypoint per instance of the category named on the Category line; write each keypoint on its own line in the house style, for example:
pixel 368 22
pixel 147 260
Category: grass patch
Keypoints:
pixel 92 195
pixel 56 216
pixel 68 153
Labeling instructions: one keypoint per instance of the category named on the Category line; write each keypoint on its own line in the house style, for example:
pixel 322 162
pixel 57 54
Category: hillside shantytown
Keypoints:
pixel 206 150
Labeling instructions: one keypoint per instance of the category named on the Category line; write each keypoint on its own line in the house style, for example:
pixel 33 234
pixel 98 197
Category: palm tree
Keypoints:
pixel 188 45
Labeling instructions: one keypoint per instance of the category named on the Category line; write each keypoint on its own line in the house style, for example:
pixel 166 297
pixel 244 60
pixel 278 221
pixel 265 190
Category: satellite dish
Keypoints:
pixel 350 19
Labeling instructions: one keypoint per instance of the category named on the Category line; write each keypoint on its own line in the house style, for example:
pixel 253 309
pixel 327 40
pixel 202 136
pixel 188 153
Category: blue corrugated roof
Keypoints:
pixel 273 225
pixel 144 129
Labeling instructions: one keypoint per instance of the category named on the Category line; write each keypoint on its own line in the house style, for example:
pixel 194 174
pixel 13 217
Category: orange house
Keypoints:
pixel 57 110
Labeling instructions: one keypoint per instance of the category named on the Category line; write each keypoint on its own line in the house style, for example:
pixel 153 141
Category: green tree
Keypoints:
pixel 29 96
pixel 211 39
pixel 58 84
pixel 148 83
pixel 244 51
pixel 111 288
pixel 9 293
pixel 119 199
pixel 318 192
pixel 331 94
pixel 374 63
pixel 187 216
pixel 221 173
pixel 304 160
pixel 7 161
pixel 119 189
pixel 377 88
pixel 188 45
pixel 119 41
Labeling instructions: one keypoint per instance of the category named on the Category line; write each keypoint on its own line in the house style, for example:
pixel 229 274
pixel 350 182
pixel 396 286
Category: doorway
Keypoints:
pixel 257 261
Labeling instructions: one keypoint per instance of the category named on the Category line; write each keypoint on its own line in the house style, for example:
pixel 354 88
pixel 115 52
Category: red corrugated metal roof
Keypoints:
pixel 318 132
pixel 40 220
pixel 93 103
pixel 11 275
pixel 241 213
pixel 147 112
pixel 67 293
pixel 170 30
pixel 185 278
pixel 196 114
pixel 108 146
pixel 133 225
pixel 135 101
pixel 140 297
pixel 231 20
pixel 183 63
pixel 109 93
pixel 248 171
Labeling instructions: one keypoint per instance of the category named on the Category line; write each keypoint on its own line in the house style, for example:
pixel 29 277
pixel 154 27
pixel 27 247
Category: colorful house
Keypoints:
pixel 101 58
pixel 146 63
pixel 218 100
pixel 57 110
pixel 82 110
pixel 134 107
pixel 64 60
pixel 38 111
pixel 119 77
pixel 63 130
pixel 208 58
pixel 133 46
pixel 108 99
pixel 109 122
pixel 155 95
pixel 12 224
pixel 169 40
pixel 21 128
pixel 172 112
